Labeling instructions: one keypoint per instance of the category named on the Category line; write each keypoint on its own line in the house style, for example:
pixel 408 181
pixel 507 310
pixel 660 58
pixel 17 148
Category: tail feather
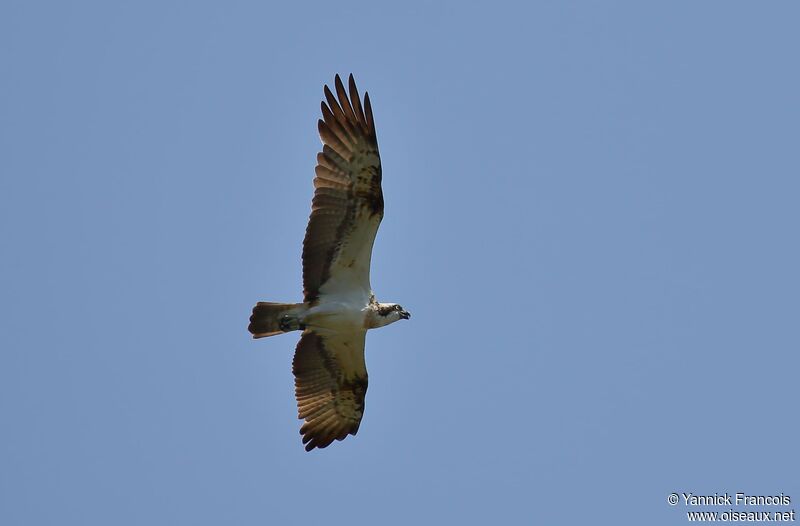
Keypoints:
pixel 266 318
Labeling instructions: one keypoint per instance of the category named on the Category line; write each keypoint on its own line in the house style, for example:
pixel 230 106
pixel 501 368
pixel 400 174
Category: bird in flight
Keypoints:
pixel 338 305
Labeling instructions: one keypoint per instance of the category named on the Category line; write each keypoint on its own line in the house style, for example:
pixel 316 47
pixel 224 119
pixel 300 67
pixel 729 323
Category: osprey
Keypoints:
pixel 339 305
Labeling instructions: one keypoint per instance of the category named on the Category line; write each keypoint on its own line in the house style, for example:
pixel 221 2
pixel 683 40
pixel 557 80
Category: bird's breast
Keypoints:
pixel 337 316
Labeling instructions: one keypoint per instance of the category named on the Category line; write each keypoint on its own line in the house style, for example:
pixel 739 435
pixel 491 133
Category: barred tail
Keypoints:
pixel 269 319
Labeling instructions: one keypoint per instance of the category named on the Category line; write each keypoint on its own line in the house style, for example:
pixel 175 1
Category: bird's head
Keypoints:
pixel 389 313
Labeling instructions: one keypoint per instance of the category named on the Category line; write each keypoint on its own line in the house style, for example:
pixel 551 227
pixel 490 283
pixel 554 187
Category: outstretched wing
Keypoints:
pixel 348 201
pixel 330 386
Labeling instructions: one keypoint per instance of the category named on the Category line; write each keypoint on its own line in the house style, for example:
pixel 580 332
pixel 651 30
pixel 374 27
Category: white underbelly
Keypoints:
pixel 336 316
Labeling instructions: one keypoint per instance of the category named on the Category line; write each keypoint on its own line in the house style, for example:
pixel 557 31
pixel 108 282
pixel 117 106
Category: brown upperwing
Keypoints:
pixel 348 200
pixel 330 386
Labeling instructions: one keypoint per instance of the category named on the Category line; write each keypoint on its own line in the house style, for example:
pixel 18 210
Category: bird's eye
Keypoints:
pixel 398 307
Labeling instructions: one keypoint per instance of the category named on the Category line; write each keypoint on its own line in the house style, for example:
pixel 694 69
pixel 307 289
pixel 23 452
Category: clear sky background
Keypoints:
pixel 591 211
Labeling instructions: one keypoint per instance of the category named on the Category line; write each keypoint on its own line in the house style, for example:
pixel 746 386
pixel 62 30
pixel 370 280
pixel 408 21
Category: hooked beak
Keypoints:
pixel 405 315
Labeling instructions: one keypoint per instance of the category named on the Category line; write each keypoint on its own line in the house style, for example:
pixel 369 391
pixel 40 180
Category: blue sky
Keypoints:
pixel 591 211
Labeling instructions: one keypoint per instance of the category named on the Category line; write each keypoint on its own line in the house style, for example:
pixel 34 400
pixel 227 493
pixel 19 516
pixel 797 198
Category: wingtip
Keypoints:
pixel 338 82
pixel 351 84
